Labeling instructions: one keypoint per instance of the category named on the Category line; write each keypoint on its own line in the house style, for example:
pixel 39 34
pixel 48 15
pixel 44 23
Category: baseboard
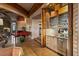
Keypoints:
pixel 37 40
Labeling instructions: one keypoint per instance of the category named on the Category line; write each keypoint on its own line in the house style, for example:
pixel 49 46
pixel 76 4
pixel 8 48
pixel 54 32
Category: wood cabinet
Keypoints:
pixel 51 42
pixel 62 46
pixel 60 22
pixel 54 43
pixel 57 40
pixel 48 41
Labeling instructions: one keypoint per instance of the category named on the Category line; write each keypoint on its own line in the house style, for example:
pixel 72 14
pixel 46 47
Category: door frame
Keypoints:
pixel 70 29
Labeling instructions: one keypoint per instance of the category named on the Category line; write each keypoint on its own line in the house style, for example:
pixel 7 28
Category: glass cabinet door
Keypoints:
pixel 63 20
pixel 53 21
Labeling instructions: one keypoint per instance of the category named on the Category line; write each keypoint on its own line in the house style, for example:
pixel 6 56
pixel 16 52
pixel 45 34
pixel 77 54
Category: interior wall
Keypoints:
pixel 20 25
pixel 21 22
pixel 35 28
pixel 28 24
pixel 75 29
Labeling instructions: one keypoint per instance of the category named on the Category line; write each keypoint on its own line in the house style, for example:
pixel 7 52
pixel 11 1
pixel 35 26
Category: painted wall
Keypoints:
pixel 28 24
pixel 35 28
pixel 21 22
pixel 76 29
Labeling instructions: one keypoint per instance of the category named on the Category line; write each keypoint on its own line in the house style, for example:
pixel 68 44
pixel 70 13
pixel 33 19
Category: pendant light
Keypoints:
pixel 50 8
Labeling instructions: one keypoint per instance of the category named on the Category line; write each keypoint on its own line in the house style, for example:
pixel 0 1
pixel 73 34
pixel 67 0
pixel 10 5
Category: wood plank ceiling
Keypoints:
pixel 28 13
pixel 35 7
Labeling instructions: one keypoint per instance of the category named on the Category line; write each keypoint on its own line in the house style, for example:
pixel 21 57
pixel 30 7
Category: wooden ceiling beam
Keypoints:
pixel 21 9
pixel 35 7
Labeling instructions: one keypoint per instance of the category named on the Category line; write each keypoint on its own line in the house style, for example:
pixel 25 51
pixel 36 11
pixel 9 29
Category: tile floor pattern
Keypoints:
pixel 32 48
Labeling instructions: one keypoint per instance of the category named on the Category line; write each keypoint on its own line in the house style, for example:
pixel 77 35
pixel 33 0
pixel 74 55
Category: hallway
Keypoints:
pixel 32 48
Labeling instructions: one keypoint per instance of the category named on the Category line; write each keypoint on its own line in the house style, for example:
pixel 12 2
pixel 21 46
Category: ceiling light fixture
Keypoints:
pixel 50 8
